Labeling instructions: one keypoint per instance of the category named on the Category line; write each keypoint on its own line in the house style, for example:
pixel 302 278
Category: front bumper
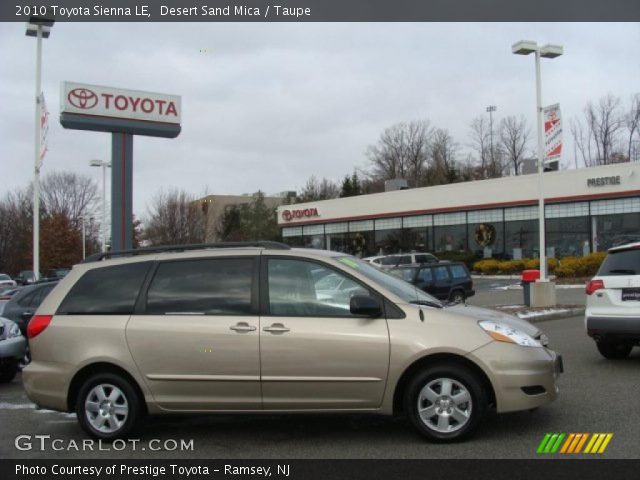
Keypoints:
pixel 613 328
pixel 14 347
pixel 522 377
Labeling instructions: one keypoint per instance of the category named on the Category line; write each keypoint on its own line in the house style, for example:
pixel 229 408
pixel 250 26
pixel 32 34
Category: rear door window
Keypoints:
pixel 441 273
pixel 404 260
pixel 424 258
pixel 106 290
pixel 219 286
pixel 425 275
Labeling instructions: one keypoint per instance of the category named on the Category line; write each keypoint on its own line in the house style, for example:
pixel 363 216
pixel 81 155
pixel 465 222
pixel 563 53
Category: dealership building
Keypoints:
pixel 589 209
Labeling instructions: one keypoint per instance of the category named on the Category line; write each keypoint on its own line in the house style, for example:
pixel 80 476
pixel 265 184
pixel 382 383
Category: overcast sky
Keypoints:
pixel 266 105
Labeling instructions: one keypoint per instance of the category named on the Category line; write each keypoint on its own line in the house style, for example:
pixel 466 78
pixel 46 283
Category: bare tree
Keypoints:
pixel 16 217
pixel 598 138
pixel 401 152
pixel 69 194
pixel 633 125
pixel 490 160
pixel 514 136
pixel 175 218
pixel 442 165
pixel 316 189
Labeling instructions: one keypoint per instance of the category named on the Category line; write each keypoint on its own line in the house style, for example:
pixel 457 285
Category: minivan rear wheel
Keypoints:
pixel 108 406
pixel 446 403
pixel 614 351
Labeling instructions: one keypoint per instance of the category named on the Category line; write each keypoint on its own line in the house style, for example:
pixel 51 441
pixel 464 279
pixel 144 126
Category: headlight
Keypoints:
pixel 507 334
pixel 14 331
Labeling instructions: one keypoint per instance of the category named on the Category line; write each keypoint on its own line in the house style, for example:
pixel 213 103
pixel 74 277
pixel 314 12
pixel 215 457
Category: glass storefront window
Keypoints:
pixel 416 239
pixel 612 230
pixel 388 241
pixel 361 244
pixel 338 242
pixel 521 239
pixel 450 238
pixel 568 236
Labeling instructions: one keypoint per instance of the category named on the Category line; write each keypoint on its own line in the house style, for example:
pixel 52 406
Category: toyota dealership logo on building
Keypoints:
pixel 289 215
pixel 82 98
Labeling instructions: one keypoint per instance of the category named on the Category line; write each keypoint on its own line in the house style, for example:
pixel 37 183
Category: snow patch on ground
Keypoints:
pixel 538 313
pixel 517 286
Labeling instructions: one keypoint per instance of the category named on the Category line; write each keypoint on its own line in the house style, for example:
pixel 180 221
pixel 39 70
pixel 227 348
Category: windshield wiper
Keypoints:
pixel 426 303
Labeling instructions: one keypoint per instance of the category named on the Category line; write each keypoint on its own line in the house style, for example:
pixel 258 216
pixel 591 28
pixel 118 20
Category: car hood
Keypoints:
pixel 479 313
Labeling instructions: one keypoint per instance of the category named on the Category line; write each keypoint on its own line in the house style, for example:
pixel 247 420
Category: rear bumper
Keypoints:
pixel 47 384
pixel 613 328
pixel 13 347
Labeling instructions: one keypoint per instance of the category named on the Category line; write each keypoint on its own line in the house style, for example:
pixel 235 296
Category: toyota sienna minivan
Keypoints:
pixel 261 327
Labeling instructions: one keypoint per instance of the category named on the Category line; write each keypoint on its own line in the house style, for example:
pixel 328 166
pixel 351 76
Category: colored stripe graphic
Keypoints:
pixel 573 443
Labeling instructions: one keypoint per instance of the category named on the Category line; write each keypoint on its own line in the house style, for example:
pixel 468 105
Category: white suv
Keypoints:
pixel 612 317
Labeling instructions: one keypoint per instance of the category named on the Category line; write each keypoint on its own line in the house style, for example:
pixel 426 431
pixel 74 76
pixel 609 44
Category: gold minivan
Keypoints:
pixel 262 327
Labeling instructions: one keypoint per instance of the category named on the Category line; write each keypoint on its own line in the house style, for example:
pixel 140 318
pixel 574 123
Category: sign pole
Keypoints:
pixel 121 191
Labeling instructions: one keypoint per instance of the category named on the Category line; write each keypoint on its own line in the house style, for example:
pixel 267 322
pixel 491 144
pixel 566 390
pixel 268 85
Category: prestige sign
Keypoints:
pixel 602 181
pixel 94 100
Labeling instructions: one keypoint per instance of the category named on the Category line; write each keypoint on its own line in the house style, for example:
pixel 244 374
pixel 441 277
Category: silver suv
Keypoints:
pixel 612 317
pixel 262 327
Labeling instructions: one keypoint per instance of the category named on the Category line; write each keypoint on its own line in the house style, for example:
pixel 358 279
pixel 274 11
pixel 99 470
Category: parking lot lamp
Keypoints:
pixel 525 47
pixel 39 27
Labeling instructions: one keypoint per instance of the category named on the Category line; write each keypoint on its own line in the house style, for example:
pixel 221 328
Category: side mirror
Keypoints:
pixel 365 305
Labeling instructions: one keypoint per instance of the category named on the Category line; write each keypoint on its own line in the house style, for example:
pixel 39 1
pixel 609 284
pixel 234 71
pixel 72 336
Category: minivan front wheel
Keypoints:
pixel 614 351
pixel 108 407
pixel 445 403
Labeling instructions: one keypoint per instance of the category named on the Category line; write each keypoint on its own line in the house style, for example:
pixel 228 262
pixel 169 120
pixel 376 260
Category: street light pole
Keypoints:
pixel 540 128
pixel 525 47
pixel 491 109
pixel 39 27
pixel 84 243
pixel 36 164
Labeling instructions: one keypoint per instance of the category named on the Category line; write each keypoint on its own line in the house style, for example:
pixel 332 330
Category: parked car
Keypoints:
pixel 23 304
pixel 612 316
pixel 5 281
pixel 264 327
pixel 398 259
pixel 449 281
pixel 56 273
pixel 5 296
pixel 25 277
pixel 12 349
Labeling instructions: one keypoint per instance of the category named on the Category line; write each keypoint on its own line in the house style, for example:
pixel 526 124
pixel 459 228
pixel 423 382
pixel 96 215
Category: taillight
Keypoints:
pixel 37 324
pixel 593 286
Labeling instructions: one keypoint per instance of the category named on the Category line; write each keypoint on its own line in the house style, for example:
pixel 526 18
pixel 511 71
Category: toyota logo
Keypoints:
pixel 287 215
pixel 82 98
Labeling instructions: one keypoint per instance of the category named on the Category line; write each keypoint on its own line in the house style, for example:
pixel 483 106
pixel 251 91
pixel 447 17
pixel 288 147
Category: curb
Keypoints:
pixel 572 312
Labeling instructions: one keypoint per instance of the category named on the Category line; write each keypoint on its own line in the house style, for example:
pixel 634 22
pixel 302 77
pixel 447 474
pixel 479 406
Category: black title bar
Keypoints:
pixel 323 10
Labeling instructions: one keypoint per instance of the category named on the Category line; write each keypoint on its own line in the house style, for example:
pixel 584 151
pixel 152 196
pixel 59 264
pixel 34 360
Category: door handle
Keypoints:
pixel 276 328
pixel 242 327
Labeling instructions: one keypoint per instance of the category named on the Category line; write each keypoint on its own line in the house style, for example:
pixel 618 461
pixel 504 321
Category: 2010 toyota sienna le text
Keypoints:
pixel 261 327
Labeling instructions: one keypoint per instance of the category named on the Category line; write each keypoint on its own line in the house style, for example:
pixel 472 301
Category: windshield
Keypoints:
pixel 4 277
pixel 402 289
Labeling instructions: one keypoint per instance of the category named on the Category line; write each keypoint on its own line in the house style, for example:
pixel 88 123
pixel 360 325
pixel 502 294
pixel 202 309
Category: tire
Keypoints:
pixel 452 420
pixel 614 351
pixel 457 296
pixel 108 406
pixel 8 370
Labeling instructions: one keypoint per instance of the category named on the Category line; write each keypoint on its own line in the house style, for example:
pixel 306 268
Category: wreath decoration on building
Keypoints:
pixel 485 234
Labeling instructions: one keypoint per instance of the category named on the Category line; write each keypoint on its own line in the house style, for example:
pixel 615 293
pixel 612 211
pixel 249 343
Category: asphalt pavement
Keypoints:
pixel 596 396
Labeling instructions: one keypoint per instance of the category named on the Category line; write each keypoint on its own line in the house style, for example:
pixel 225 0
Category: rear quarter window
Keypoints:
pixel 106 290
pixel 458 272
pixel 625 262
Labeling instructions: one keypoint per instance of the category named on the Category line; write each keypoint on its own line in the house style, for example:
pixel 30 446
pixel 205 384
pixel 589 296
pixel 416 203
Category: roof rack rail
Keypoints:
pixel 182 248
